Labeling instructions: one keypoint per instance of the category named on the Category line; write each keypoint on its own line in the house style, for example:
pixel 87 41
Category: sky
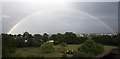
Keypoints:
pixel 59 17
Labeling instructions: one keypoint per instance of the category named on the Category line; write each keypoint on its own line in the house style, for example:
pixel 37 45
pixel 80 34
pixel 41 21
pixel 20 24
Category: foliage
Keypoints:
pixel 8 45
pixel 58 38
pixel 47 47
pixel 37 36
pixel 91 47
pixel 36 44
pixel 107 39
pixel 10 41
pixel 70 38
pixel 45 37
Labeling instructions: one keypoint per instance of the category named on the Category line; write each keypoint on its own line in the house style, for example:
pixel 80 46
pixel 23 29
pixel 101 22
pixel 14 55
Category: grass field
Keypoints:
pixel 32 51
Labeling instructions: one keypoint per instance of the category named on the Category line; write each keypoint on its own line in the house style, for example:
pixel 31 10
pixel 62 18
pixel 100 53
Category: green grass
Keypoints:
pixel 33 51
pixel 74 47
pixel 23 52
pixel 109 47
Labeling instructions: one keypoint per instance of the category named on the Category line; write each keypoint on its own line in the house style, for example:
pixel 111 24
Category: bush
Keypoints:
pixel 47 47
pixel 91 47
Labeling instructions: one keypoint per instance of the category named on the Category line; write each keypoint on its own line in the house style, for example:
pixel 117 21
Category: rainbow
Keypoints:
pixel 79 11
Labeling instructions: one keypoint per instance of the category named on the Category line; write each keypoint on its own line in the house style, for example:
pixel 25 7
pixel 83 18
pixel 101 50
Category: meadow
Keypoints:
pixel 36 51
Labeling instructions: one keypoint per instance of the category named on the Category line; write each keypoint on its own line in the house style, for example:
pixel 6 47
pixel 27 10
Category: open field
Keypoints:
pixel 36 51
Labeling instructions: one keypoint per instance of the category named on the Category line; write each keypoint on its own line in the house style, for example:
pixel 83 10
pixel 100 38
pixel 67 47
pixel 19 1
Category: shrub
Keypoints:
pixel 47 47
pixel 91 47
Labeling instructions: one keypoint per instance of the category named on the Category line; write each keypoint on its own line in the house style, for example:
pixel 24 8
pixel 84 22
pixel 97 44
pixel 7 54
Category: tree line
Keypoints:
pixel 37 39
pixel 10 42
pixel 69 37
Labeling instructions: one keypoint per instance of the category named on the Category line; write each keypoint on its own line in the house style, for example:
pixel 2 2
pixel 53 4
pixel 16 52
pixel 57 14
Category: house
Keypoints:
pixel 51 41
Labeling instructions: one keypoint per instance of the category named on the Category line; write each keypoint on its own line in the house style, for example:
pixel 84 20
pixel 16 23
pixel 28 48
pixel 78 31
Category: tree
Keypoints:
pixel 38 36
pixel 20 42
pixel 82 40
pixel 70 38
pixel 37 41
pixel 45 37
pixel 47 47
pixel 54 37
pixel 107 39
pixel 26 35
pixel 8 45
pixel 91 47
pixel 29 38
pixel 60 38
